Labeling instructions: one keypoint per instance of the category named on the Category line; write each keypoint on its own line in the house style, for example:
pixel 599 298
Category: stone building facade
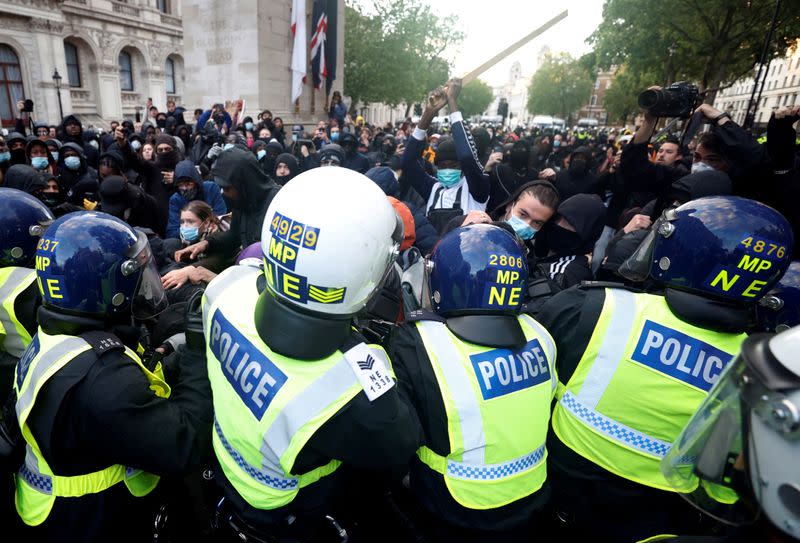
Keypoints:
pixel 112 56
pixel 781 88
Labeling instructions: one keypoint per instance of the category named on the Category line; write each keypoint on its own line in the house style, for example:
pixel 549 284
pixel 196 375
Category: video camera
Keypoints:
pixel 676 100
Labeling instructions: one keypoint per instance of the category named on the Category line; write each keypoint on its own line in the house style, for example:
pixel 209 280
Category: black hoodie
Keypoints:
pixel 70 178
pixel 255 189
pixel 291 163
pixel 91 154
pixel 24 178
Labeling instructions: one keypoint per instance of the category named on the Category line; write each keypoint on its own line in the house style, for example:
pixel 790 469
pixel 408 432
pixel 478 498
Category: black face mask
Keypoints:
pixel 18 156
pixel 189 194
pixel 563 242
pixel 577 167
pixel 519 158
pixel 167 161
pixel 161 123
pixel 51 199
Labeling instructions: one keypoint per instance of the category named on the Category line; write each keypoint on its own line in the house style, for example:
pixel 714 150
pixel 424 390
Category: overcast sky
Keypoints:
pixel 492 25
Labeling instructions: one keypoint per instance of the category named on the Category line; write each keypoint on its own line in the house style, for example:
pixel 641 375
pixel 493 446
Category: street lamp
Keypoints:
pixel 57 83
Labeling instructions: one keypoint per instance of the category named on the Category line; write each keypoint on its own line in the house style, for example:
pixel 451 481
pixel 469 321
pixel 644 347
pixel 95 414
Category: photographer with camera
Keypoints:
pixel 644 179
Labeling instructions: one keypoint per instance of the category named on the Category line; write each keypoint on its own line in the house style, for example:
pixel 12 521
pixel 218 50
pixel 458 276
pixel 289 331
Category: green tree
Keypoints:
pixel 712 43
pixel 621 96
pixel 475 97
pixel 559 87
pixel 393 50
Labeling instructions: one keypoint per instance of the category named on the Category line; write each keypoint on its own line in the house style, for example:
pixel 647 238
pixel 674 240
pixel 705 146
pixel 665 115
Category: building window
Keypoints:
pixel 11 90
pixel 125 71
pixel 169 76
pixel 163 6
pixel 73 68
pixel 593 102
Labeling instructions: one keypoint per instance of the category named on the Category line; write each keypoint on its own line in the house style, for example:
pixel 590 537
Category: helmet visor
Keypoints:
pixel 149 298
pixel 637 267
pixel 706 462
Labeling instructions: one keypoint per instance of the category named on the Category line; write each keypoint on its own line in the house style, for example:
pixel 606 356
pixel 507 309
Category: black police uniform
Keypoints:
pixel 98 411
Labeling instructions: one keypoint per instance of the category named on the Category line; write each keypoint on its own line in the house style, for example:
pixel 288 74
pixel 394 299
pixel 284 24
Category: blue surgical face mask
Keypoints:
pixel 448 177
pixel 190 233
pixel 261 154
pixel 523 229
pixel 248 127
pixel 39 162
pixel 72 163
pixel 227 146
pixel 334 136
pixel 135 145
pixel 557 143
pixel 5 157
pixel 54 154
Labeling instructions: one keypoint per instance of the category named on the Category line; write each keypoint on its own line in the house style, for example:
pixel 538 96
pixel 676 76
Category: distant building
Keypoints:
pixel 112 55
pixel 515 92
pixel 781 88
pixel 595 108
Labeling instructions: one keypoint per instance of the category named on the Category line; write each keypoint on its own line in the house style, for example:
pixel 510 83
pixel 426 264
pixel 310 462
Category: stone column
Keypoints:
pixel 243 49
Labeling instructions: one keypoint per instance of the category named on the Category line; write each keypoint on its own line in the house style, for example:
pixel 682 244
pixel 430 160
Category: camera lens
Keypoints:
pixel 650 98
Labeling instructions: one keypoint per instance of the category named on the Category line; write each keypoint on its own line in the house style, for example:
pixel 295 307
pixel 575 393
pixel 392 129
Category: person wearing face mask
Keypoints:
pixel 273 149
pixel 54 146
pixel 39 156
pixel 249 191
pixel 190 187
pixel 128 202
pixel 16 147
pixel 259 149
pixel 71 130
pixel 577 177
pixel 278 132
pixel 286 168
pixel 460 185
pixel 73 170
pixel 528 209
pixel 5 158
pixel 198 221
pixel 564 249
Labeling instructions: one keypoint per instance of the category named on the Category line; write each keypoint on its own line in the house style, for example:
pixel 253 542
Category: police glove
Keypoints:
pixel 214 152
pixel 194 322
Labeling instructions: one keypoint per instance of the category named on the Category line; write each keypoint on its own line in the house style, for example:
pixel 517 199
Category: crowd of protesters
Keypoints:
pixel 581 201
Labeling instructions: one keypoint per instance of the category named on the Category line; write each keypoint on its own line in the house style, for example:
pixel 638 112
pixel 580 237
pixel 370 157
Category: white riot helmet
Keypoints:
pixel 738 455
pixel 328 239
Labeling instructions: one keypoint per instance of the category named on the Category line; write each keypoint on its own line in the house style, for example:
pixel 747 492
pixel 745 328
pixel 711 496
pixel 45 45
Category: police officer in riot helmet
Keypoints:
pixel 297 393
pixel 743 443
pixel 22 220
pixel 100 423
pixel 481 376
pixel 634 366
